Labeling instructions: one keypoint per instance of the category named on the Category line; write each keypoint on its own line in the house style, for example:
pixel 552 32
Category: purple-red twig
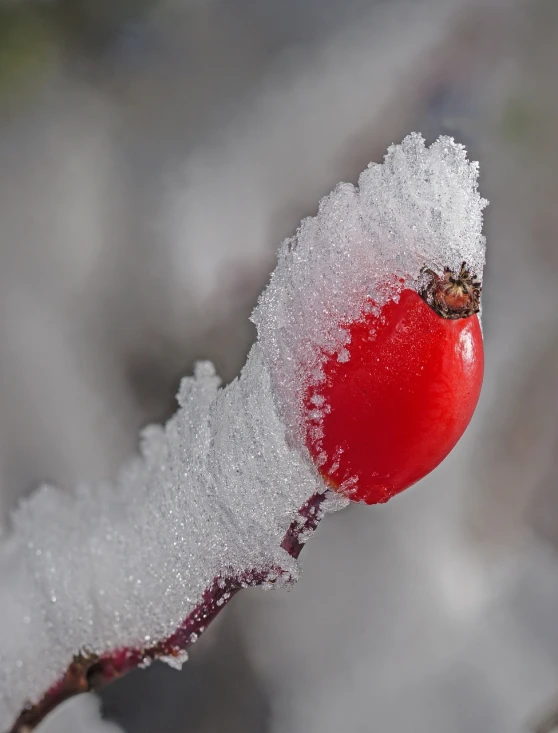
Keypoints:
pixel 89 671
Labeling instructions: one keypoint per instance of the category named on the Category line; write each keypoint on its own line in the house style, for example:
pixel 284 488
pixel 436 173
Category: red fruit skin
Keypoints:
pixel 401 402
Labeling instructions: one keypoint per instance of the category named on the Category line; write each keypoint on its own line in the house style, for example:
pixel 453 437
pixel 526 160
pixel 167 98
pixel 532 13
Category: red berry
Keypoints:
pixel 397 399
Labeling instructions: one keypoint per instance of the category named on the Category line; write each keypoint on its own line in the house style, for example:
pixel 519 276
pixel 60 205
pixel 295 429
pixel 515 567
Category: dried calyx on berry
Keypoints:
pixel 452 295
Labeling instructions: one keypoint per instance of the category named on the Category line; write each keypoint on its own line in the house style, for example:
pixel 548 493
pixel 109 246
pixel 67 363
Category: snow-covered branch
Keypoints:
pixel 225 494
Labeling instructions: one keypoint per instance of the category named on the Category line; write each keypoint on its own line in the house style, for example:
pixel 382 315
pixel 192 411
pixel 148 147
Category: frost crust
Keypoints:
pixel 212 495
pixel 421 207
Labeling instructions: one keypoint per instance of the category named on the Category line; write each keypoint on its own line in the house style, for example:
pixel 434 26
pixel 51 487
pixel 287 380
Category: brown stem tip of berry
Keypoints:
pixel 450 295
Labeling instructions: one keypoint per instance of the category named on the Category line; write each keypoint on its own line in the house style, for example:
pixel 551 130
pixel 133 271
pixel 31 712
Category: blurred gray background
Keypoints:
pixel 153 153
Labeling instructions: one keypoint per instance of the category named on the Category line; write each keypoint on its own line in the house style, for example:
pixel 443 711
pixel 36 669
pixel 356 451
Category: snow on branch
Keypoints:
pixel 225 494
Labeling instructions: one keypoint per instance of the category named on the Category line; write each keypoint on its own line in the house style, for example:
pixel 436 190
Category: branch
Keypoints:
pixel 89 671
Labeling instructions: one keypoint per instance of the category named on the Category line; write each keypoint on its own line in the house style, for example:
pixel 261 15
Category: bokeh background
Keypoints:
pixel 153 153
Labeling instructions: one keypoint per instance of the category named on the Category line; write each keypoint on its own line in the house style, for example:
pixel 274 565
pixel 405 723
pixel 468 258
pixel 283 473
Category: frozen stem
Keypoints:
pixel 88 671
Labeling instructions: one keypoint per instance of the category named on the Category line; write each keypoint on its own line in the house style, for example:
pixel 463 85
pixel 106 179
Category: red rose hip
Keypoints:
pixel 398 397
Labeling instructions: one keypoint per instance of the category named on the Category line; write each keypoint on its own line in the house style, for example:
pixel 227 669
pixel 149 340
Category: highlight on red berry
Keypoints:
pixel 396 399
